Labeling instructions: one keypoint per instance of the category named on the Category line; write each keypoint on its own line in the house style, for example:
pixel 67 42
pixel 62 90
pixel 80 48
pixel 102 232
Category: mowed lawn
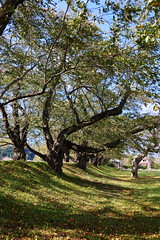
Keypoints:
pixel 99 203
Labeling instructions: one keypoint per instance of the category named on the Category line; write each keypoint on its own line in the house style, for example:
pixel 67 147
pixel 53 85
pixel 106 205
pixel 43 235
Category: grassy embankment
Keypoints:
pixel 101 203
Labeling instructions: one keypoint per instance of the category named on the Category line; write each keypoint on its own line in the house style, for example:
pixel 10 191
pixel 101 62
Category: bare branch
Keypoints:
pixel 22 97
pixel 6 122
pixel 43 91
pixel 89 103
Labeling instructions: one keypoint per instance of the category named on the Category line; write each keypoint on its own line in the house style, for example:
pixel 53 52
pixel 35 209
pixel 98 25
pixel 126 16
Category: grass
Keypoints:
pixel 99 203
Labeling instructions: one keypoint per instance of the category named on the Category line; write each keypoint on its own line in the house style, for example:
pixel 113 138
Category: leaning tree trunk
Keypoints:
pixel 135 163
pixel 54 157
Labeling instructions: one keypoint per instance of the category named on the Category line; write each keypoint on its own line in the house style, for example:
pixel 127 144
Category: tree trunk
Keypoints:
pixel 66 155
pixel 19 153
pixel 149 166
pixel 6 11
pixel 134 171
pixel 97 160
pixel 136 161
pixel 82 160
pixel 56 156
pixel 17 135
pixel 55 161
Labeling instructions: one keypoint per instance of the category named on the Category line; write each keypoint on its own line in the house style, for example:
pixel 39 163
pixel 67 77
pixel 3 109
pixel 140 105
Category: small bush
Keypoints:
pixel 142 167
pixel 126 166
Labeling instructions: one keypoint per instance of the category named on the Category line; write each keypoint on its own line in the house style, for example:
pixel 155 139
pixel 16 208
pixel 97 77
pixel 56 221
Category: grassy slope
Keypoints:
pixel 101 203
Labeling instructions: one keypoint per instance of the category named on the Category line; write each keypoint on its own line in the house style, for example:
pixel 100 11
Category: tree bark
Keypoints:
pixel 56 150
pixel 19 153
pixel 82 159
pixel 17 136
pixel 95 118
pixel 136 161
pixel 66 155
pixel 6 11
pixel 56 156
pixel 97 160
pixel 46 117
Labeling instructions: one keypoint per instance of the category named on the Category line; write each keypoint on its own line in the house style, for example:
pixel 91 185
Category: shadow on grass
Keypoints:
pixel 100 222
pixel 93 184
pixel 101 173
pixel 19 218
pixel 28 176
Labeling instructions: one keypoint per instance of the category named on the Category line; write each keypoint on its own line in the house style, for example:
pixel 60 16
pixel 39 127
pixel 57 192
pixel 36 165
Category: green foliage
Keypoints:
pixel 88 71
pixel 156 165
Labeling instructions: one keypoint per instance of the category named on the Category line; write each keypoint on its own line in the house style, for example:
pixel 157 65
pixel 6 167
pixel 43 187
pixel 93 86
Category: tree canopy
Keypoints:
pixel 65 81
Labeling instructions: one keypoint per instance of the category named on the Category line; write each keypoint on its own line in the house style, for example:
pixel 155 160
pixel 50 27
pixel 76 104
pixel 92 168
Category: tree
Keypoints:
pixel 148 142
pixel 123 136
pixel 17 136
pixel 18 72
pixel 136 161
pixel 77 75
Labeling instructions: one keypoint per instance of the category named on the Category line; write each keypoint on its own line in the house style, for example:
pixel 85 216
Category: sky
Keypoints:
pixel 61 5
pixel 149 109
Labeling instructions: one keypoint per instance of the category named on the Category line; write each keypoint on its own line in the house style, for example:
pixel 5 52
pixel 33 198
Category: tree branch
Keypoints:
pixel 9 131
pixel 18 79
pixel 55 40
pixel 95 118
pixel 81 148
pixel 42 156
pixel 45 117
pixel 24 96
pixel 72 105
pixel 6 11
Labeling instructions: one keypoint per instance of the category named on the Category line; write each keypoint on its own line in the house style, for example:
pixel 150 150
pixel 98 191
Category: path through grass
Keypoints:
pixel 100 203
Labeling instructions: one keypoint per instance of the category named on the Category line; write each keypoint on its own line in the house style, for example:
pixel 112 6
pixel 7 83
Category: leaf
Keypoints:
pixel 156 107
pixel 147 39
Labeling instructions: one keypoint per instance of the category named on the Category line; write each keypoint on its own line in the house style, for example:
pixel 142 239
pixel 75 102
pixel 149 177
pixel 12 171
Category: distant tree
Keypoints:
pixel 146 143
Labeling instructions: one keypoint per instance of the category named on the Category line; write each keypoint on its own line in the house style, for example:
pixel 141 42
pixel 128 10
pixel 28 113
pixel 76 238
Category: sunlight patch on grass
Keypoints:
pixel 99 203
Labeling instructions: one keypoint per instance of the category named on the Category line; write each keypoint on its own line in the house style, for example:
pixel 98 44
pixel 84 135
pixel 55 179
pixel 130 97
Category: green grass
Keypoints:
pixel 99 203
